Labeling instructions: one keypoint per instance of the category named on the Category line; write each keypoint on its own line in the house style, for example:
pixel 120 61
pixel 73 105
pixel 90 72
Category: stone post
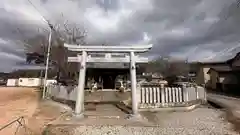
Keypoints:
pixel 185 93
pixel 162 90
pixel 205 94
pixel 79 108
pixel 197 94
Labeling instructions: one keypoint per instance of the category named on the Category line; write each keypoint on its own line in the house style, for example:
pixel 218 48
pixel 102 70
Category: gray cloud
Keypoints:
pixel 188 28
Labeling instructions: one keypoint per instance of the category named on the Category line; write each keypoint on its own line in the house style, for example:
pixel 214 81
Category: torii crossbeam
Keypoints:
pixel 111 49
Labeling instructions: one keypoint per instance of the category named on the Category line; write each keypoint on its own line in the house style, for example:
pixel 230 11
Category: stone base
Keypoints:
pixel 172 109
pixel 134 117
pixel 79 116
pixel 121 89
pixel 94 89
pixel 47 97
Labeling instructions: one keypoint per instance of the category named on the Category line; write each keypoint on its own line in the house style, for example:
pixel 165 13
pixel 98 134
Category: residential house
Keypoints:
pixel 220 75
pixel 222 78
pixel 202 77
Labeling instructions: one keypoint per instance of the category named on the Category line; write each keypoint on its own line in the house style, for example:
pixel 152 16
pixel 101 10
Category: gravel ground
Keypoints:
pixel 202 121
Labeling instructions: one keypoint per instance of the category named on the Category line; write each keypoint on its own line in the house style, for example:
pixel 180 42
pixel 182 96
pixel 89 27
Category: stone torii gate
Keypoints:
pixel 85 57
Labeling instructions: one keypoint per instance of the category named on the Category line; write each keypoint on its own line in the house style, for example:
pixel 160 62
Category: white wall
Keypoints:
pixel 12 82
pixel 63 92
pixel 50 82
pixel 29 82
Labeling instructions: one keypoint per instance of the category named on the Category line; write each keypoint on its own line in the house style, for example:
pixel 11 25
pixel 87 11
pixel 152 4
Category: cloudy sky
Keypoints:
pixel 193 29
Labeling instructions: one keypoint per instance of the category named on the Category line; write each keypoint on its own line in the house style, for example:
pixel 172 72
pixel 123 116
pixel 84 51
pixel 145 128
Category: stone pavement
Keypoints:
pixel 201 121
pixel 106 118
pixel 106 96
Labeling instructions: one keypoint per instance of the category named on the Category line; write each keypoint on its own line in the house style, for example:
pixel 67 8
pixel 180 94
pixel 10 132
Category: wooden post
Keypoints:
pixel 133 84
pixel 79 108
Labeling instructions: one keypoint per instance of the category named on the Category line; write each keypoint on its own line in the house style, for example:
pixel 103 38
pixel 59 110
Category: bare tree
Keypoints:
pixel 70 32
pixel 168 68
pixel 178 68
pixel 66 32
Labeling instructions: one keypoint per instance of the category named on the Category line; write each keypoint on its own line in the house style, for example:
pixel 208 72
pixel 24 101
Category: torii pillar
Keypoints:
pixel 133 84
pixel 79 107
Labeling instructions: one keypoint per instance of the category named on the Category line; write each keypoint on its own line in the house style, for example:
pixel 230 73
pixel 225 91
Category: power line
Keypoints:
pixel 46 20
pixel 222 53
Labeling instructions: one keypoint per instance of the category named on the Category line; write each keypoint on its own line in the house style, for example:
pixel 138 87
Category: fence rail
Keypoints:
pixel 153 95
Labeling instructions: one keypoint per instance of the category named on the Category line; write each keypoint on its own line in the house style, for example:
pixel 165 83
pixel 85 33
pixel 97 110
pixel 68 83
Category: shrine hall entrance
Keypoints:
pixel 108 81
pixel 106 78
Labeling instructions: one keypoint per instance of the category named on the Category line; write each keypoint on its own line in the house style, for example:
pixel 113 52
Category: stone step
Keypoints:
pixel 105 110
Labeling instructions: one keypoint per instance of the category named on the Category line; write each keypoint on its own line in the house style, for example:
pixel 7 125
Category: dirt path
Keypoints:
pixel 17 102
pixel 14 103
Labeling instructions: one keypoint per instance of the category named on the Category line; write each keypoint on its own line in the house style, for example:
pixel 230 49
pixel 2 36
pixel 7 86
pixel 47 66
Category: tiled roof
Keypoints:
pixel 222 68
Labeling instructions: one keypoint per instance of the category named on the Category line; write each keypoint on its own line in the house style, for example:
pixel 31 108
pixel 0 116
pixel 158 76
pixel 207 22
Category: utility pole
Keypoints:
pixel 47 60
pixel 51 28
